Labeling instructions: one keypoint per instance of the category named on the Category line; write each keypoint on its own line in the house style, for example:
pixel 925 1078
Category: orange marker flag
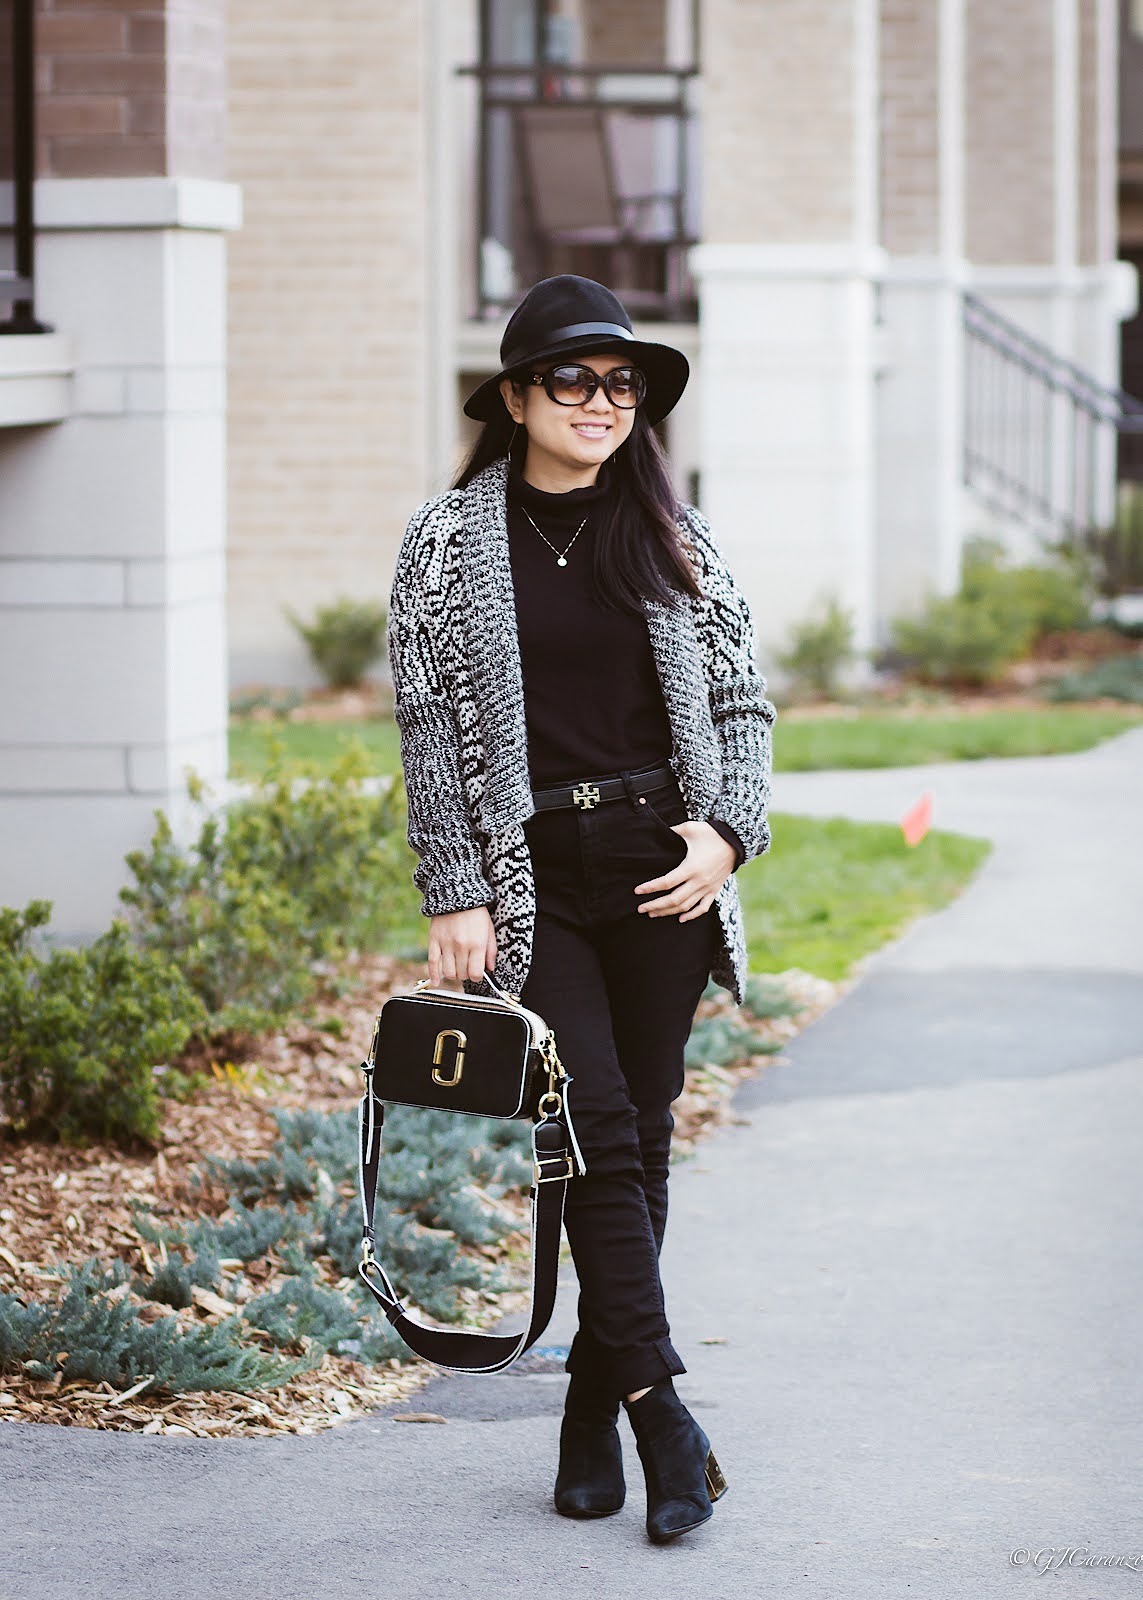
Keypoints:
pixel 918 820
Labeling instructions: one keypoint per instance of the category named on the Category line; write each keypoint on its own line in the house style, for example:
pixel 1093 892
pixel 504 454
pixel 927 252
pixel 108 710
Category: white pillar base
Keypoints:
pixel 920 441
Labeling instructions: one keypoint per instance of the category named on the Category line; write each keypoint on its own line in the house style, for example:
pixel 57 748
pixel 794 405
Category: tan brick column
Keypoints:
pixel 329 311
pixel 919 400
pixel 786 271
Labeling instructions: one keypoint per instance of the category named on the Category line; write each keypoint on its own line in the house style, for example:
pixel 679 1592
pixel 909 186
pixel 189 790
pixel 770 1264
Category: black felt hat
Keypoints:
pixel 569 315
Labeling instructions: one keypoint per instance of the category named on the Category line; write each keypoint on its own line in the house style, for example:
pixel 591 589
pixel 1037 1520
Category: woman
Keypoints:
pixel 586 747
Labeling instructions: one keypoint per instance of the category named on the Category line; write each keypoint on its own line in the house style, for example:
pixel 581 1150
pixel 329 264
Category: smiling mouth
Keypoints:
pixel 592 429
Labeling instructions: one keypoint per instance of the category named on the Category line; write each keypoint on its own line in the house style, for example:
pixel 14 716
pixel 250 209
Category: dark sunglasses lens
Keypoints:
pixel 626 387
pixel 571 386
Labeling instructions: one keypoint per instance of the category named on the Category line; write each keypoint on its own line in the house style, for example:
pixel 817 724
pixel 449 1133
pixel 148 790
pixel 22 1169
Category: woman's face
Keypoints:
pixel 578 436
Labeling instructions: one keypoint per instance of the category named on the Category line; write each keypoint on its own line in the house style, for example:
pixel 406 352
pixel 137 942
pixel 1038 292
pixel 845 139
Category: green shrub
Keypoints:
pixel 82 1031
pixel 1051 597
pixel 717 1041
pixel 344 640
pixel 306 869
pixel 768 997
pixel 970 638
pixel 819 650
pixel 1118 678
pixel 302 1308
pixel 438 1185
pixel 277 703
pixel 107 1341
pixel 962 642
pixel 1117 551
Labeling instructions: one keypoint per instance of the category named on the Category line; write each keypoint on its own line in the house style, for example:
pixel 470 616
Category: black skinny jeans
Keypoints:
pixel 620 989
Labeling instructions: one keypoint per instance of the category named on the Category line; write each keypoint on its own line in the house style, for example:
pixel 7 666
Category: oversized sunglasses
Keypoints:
pixel 574 385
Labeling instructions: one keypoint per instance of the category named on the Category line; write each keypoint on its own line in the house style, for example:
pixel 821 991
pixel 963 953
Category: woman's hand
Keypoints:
pixel 462 944
pixel 693 884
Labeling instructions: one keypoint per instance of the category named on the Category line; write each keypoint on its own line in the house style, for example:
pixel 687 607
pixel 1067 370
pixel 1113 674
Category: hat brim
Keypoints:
pixel 665 368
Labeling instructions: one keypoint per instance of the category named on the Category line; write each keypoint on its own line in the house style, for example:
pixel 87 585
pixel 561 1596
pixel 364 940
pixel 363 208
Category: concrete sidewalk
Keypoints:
pixel 920 1255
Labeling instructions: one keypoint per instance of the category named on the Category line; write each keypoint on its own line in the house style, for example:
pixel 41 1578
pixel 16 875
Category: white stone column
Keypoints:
pixel 112 541
pixel 786 401
pixel 920 438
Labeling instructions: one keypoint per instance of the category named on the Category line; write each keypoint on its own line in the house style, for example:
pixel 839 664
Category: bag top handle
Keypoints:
pixel 498 991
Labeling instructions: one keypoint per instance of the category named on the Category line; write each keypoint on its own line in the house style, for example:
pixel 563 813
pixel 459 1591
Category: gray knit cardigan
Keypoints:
pixel 459 705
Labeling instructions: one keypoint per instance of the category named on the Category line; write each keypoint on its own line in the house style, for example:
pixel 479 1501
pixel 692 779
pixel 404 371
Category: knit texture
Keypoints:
pixel 459 704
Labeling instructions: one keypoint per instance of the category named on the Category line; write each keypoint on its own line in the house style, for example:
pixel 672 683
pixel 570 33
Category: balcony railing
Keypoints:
pixel 17 168
pixel 587 169
pixel 1044 441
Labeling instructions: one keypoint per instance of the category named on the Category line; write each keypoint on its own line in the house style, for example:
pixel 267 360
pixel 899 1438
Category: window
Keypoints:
pixel 588 150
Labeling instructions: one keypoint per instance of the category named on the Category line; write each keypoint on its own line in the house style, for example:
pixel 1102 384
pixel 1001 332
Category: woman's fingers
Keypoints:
pixel 693 884
pixel 687 885
pixel 699 910
pixel 459 945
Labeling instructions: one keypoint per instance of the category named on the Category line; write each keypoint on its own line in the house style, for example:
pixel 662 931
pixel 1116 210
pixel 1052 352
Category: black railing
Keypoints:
pixel 17 168
pixel 577 174
pixel 1044 441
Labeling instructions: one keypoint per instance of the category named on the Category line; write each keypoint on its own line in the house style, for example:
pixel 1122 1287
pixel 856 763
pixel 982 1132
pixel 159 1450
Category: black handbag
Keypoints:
pixel 478 1055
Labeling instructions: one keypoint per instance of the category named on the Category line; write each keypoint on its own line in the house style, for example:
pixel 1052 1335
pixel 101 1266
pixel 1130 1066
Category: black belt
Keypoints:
pixel 585 796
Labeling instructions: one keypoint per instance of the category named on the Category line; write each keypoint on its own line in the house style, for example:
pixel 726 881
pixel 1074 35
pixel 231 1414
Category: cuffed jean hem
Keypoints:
pixel 624 1373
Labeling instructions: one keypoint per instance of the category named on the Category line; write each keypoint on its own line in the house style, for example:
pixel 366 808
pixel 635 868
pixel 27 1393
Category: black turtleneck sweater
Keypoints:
pixel 593 703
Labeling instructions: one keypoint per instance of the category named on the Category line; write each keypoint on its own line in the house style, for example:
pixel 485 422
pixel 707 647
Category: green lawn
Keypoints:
pixel 868 739
pixel 829 892
pixel 888 739
pixel 252 742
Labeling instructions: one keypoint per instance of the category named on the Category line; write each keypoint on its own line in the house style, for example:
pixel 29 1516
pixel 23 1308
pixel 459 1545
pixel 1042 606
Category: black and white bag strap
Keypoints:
pixel 556 1159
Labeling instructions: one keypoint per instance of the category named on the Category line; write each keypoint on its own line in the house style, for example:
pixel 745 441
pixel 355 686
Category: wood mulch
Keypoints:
pixel 1024 686
pixel 61 1204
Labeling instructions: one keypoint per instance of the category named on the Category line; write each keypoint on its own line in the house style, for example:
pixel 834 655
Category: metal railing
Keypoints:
pixel 17 169
pixel 1044 441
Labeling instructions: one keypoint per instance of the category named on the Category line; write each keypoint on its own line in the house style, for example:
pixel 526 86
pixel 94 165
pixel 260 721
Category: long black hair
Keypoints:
pixel 639 549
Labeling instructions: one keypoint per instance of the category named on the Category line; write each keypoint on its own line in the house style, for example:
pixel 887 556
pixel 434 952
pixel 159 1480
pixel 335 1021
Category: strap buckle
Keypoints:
pixel 540 1174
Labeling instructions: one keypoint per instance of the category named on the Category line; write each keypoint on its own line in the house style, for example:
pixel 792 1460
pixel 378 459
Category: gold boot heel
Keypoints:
pixel 715 1482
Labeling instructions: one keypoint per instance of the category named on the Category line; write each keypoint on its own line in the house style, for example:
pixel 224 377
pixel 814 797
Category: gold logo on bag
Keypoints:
pixel 458 1064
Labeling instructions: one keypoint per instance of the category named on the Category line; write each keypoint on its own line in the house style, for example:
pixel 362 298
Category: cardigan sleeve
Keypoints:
pixel 743 716
pixel 731 838
pixel 450 871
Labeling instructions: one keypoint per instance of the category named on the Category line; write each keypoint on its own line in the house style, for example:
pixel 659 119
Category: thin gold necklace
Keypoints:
pixel 561 555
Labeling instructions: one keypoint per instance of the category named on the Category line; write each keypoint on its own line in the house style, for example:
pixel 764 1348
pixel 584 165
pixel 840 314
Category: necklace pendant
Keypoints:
pixel 561 561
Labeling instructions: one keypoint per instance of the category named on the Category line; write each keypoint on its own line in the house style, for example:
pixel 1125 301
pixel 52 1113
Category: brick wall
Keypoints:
pixel 127 89
pixel 910 127
pixel 1009 156
pixel 328 358
pixel 778 114
pixel 628 34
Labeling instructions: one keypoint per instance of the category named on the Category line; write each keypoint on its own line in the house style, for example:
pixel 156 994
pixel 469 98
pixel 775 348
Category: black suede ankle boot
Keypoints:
pixel 683 1478
pixel 589 1482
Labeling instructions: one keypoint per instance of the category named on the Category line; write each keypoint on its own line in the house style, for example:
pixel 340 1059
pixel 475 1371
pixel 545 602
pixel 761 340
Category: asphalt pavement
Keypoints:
pixel 907 1285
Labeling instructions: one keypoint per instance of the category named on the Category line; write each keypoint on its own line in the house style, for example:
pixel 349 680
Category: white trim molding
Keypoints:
pixel 754 261
pixel 158 202
pixel 36 371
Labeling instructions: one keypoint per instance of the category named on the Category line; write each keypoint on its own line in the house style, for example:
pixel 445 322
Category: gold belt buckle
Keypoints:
pixel 586 796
